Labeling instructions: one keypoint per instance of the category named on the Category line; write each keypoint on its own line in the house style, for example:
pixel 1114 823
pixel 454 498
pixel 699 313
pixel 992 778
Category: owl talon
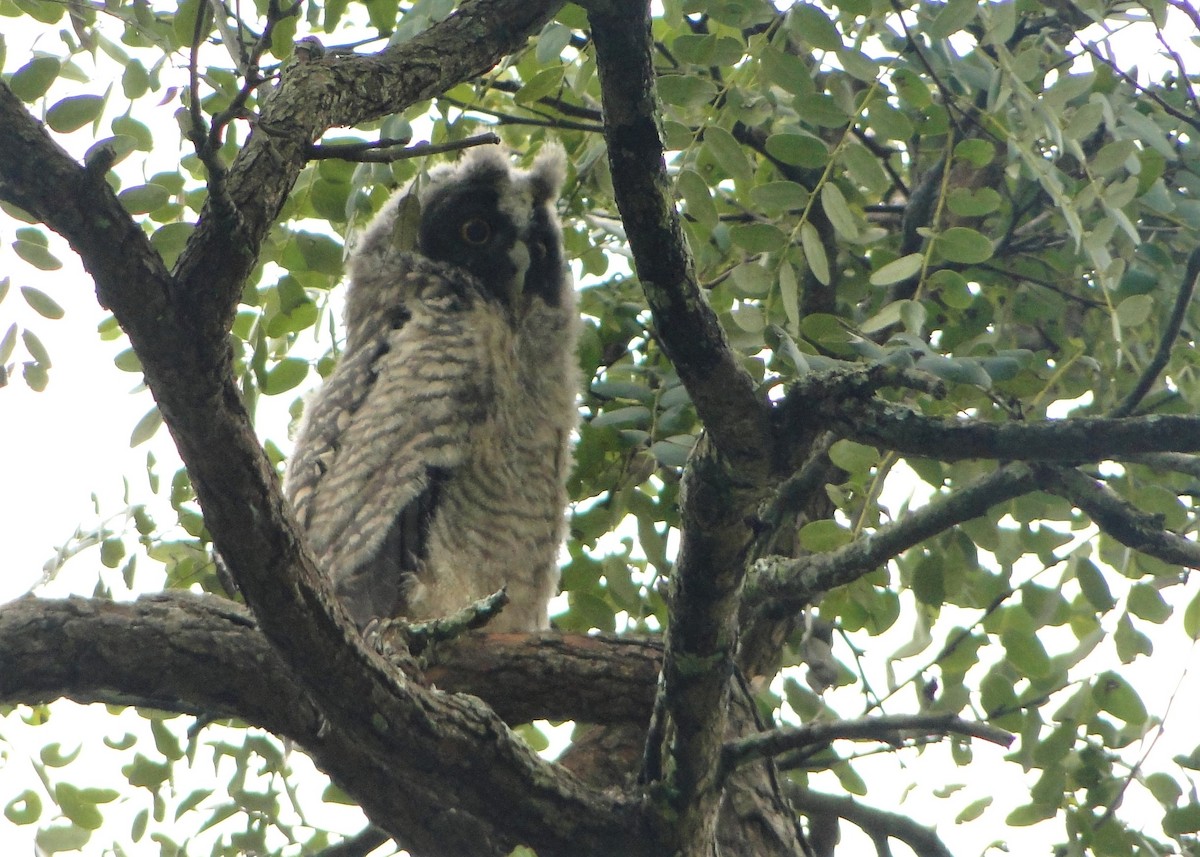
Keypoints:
pixel 400 641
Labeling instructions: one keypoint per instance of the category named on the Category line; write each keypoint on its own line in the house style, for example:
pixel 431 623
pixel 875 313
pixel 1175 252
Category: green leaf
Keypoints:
pixel 1134 310
pixel 35 348
pixel 142 199
pixel 31 80
pixel 1180 820
pixel 76 806
pixel 545 82
pixel 954 16
pixel 685 90
pixel 728 152
pixel 966 202
pixel 73 112
pixel 1026 653
pixel 135 81
pixel 146 427
pixel 52 756
pixel 635 416
pixel 973 810
pixel 54 840
pixel 928 581
pixel 36 254
pixel 952 287
pixel 801 150
pixel 1147 603
pixel 839 212
pixel 285 375
pixel 853 457
pixel 8 343
pixel 810 23
pixel 778 197
pixel 42 303
pixel 25 808
pixel 814 253
pixel 1129 641
pixel 1164 788
pixel 758 237
pixel 1116 696
pixel 1094 586
pixel 170 240
pixel 976 152
pixel 674 451
pixel 697 198
pixel 960 244
pixel 824 535
pixel 898 270
pixel 786 70
pixel 1030 813
pixel 1191 618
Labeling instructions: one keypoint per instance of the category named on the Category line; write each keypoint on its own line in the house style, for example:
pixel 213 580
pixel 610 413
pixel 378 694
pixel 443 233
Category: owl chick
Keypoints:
pixel 429 471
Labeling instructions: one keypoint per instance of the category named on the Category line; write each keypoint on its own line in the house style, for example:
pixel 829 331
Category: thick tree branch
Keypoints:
pixel 731 408
pixel 789 583
pixel 727 473
pixel 732 464
pixel 905 431
pixel 1118 518
pixel 205 655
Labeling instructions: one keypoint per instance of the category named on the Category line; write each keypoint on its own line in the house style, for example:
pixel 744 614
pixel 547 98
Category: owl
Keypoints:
pixel 429 470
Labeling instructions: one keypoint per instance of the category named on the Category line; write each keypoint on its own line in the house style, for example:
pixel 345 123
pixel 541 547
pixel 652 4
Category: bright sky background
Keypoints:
pixel 61 447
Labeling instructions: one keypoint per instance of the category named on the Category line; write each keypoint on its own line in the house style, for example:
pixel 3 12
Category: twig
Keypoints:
pixel 889 730
pixel 373 151
pixel 503 118
pixel 1143 90
pixel 1170 333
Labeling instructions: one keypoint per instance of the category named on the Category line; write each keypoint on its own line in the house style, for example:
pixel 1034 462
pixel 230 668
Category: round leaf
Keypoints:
pixel 73 112
pixel 960 244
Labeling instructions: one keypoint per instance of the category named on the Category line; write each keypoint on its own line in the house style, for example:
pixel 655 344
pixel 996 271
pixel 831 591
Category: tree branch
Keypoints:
pixel 889 730
pixel 789 583
pixel 727 474
pixel 334 91
pixel 878 824
pixel 1170 333
pixel 731 408
pixel 897 428
pixel 206 656
pixel 1118 518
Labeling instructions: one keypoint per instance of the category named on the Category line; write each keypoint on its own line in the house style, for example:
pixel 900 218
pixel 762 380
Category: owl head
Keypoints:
pixel 483 216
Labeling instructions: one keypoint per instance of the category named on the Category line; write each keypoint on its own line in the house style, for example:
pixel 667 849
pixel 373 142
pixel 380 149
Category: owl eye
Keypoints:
pixel 475 231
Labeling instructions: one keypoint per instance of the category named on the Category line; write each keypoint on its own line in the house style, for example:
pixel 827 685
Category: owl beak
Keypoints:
pixel 519 256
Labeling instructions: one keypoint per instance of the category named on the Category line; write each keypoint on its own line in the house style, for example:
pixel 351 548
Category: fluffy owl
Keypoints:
pixel 429 471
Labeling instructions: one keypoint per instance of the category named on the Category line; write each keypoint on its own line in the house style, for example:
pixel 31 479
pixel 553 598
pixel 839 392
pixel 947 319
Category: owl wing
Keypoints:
pixel 390 424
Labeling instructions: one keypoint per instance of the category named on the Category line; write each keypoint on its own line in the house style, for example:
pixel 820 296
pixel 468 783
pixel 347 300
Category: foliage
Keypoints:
pixel 978 192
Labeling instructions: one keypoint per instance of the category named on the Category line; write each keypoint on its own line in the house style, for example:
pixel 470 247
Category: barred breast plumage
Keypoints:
pixel 429 470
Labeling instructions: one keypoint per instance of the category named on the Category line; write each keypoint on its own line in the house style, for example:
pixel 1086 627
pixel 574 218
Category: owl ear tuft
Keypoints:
pixel 548 172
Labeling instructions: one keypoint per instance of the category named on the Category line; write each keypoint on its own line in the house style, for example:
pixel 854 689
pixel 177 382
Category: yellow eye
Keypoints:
pixel 475 231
